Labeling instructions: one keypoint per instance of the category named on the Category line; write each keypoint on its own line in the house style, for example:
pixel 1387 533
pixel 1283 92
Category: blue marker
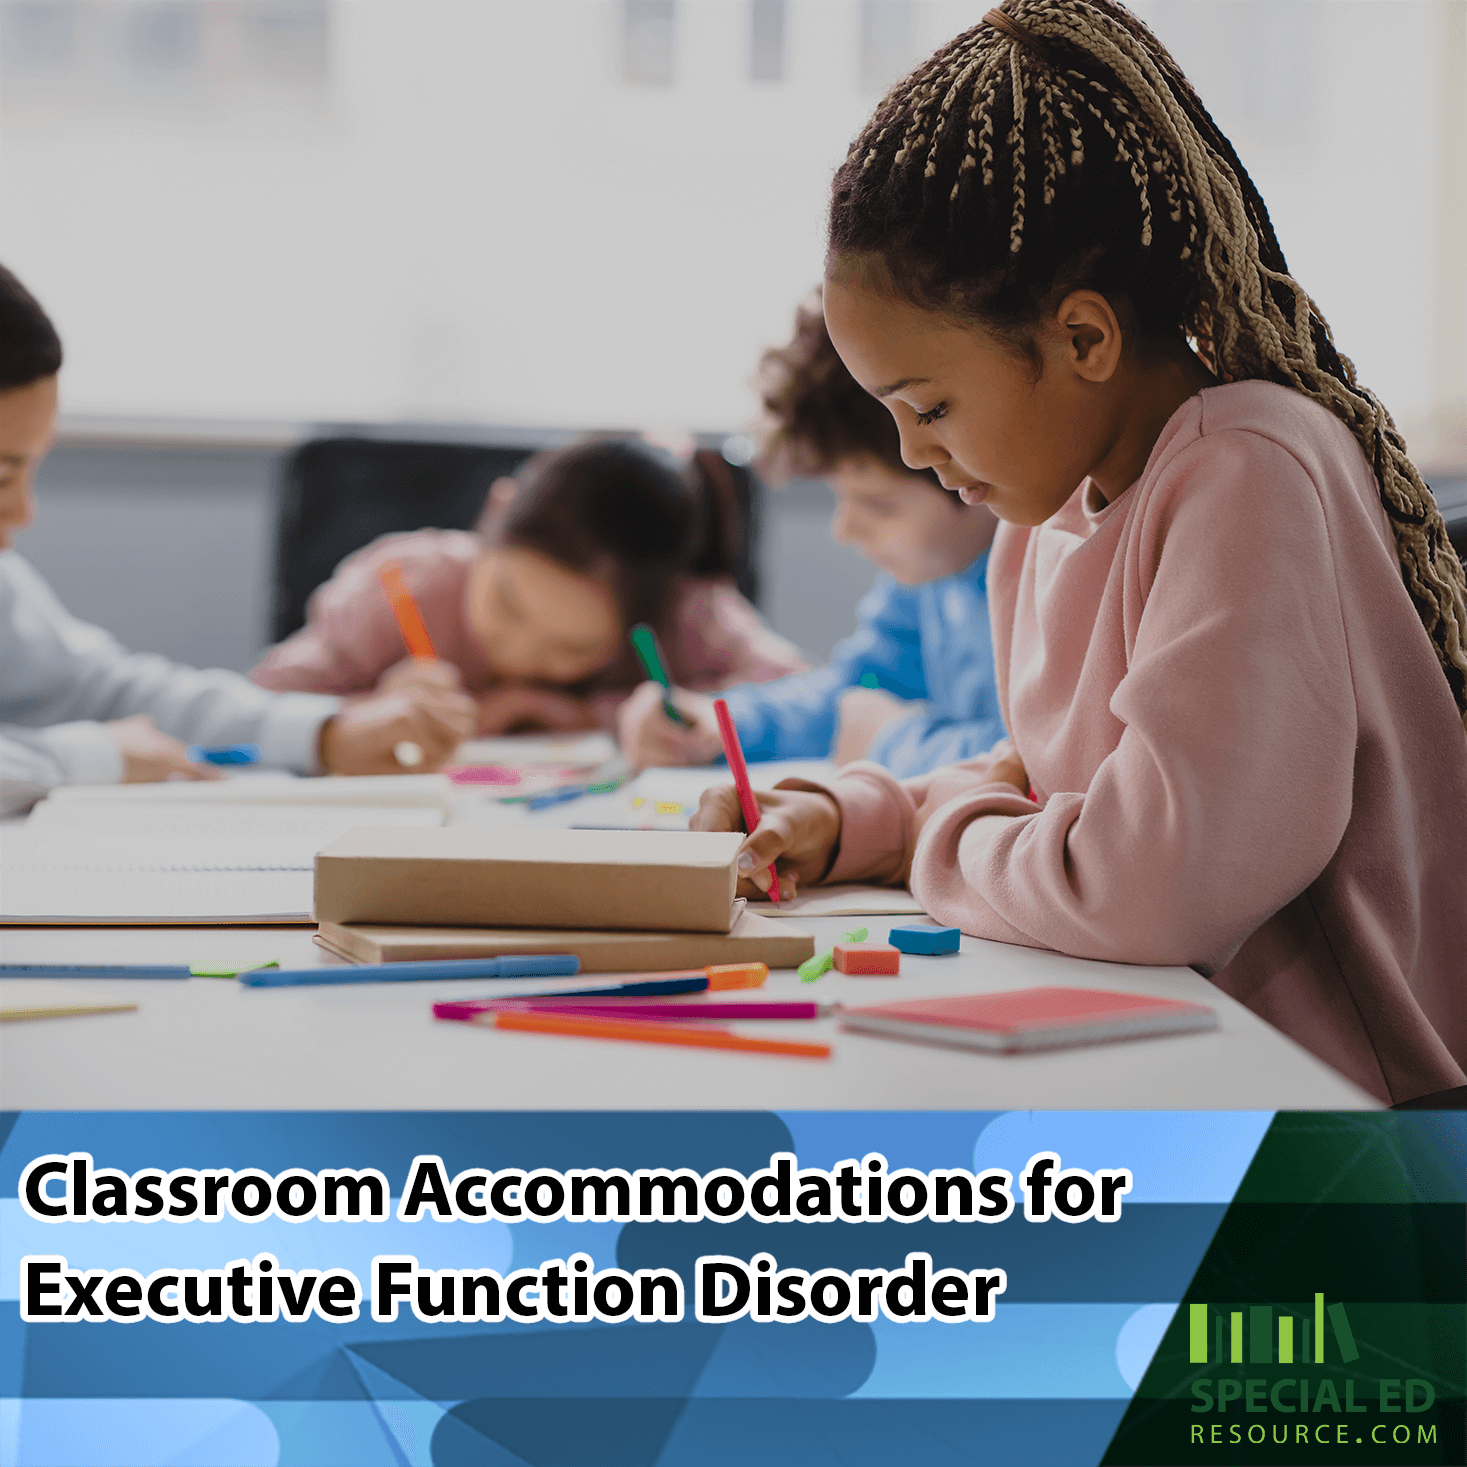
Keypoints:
pixel 556 797
pixel 511 966
pixel 227 754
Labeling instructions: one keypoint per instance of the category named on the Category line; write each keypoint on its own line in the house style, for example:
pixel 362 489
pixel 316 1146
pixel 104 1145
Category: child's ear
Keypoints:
pixel 502 492
pixel 1093 338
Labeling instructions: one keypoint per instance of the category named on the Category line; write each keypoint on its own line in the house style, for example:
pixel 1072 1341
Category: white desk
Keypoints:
pixel 214 1044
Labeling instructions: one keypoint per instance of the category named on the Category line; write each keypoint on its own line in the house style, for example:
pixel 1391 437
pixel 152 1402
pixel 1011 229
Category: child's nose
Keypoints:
pixel 920 448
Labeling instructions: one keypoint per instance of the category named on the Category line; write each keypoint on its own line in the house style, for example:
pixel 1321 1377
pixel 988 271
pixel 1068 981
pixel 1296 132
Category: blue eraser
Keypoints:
pixel 925 939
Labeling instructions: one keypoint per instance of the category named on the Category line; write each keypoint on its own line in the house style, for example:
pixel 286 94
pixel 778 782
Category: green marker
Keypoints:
pixel 644 639
pixel 821 963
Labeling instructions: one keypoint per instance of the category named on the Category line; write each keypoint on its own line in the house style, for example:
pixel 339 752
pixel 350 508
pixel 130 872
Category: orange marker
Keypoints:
pixel 651 1031
pixel 405 609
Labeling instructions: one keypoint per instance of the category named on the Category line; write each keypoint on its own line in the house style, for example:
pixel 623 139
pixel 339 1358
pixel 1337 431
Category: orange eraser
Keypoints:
pixel 722 976
pixel 867 957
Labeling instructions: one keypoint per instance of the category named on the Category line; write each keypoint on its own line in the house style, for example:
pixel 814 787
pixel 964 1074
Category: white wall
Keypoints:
pixel 470 215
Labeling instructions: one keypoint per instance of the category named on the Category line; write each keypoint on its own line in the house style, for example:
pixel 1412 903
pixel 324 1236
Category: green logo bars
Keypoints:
pixel 1261 1335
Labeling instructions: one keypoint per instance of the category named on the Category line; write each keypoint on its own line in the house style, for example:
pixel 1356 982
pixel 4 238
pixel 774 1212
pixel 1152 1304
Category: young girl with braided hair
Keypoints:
pixel 1229 627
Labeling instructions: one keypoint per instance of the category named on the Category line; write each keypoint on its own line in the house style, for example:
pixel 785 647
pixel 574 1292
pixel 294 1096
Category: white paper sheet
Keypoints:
pixel 431 791
pixel 40 896
pixel 845 901
pixel 174 864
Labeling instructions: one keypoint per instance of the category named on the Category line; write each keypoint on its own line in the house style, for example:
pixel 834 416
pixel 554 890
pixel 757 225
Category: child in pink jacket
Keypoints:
pixel 1232 659
pixel 531 613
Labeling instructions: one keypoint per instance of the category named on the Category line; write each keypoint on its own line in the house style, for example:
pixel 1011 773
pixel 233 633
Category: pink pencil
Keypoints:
pixel 631 1009
pixel 735 756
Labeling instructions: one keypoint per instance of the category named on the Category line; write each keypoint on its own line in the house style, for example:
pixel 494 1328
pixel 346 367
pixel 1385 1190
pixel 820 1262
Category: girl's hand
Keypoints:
pixel 799 830
pixel 522 707
pixel 361 739
pixel 419 672
pixel 649 738
pixel 864 712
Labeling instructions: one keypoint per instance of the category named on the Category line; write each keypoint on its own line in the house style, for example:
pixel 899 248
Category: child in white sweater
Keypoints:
pixel 78 708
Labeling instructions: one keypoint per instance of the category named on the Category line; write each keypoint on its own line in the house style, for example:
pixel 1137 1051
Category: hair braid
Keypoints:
pixel 1144 197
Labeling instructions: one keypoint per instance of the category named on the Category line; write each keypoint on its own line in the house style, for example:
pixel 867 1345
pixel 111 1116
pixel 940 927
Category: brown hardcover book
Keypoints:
pixel 754 939
pixel 620 880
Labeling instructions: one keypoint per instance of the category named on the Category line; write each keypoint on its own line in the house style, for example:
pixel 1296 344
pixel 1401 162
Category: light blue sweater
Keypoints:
pixel 930 644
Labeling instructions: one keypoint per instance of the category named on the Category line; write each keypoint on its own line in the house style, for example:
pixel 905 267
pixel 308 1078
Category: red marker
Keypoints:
pixel 735 756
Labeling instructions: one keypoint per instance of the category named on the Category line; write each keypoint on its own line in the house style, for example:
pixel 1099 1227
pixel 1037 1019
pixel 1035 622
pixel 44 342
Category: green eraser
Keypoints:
pixel 228 970
pixel 821 963
pixel 816 967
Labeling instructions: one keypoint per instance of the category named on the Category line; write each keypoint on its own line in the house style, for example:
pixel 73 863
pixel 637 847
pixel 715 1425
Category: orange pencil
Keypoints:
pixel 650 1031
pixel 405 609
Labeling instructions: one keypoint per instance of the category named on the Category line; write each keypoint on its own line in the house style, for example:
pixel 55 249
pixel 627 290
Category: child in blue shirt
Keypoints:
pixel 913 686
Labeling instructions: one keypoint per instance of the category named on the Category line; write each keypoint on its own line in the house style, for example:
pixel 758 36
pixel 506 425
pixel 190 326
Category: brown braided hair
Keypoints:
pixel 1058 146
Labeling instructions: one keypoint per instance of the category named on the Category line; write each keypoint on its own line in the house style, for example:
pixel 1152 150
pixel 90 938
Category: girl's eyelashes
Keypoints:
pixel 932 415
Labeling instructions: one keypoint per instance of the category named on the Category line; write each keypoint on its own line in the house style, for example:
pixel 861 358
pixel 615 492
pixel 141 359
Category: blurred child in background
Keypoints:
pixel 912 687
pixel 530 613
pixel 77 708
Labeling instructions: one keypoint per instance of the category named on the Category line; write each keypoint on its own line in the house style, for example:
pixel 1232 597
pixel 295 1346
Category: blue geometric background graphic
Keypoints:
pixel 1046 1380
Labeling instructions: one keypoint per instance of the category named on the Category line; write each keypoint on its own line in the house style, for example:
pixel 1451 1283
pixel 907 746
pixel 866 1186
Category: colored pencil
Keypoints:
pixel 129 970
pixel 464 1010
pixel 94 970
pixel 510 966
pixel 8 1016
pixel 405 609
pixel 634 1009
pixel 719 978
pixel 735 756
pixel 648 1031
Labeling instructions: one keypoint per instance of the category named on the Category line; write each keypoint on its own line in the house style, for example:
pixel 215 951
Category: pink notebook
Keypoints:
pixel 1031 1018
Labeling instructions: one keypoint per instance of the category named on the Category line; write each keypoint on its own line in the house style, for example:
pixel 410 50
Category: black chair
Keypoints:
pixel 339 494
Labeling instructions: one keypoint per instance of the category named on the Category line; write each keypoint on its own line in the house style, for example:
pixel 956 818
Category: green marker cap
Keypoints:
pixel 644 639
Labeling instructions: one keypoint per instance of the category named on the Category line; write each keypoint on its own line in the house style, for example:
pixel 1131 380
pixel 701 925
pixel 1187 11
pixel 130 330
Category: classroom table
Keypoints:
pixel 210 1043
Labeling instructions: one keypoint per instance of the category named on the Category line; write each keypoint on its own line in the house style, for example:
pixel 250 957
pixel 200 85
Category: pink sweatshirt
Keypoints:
pixel 710 635
pixel 1246 756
